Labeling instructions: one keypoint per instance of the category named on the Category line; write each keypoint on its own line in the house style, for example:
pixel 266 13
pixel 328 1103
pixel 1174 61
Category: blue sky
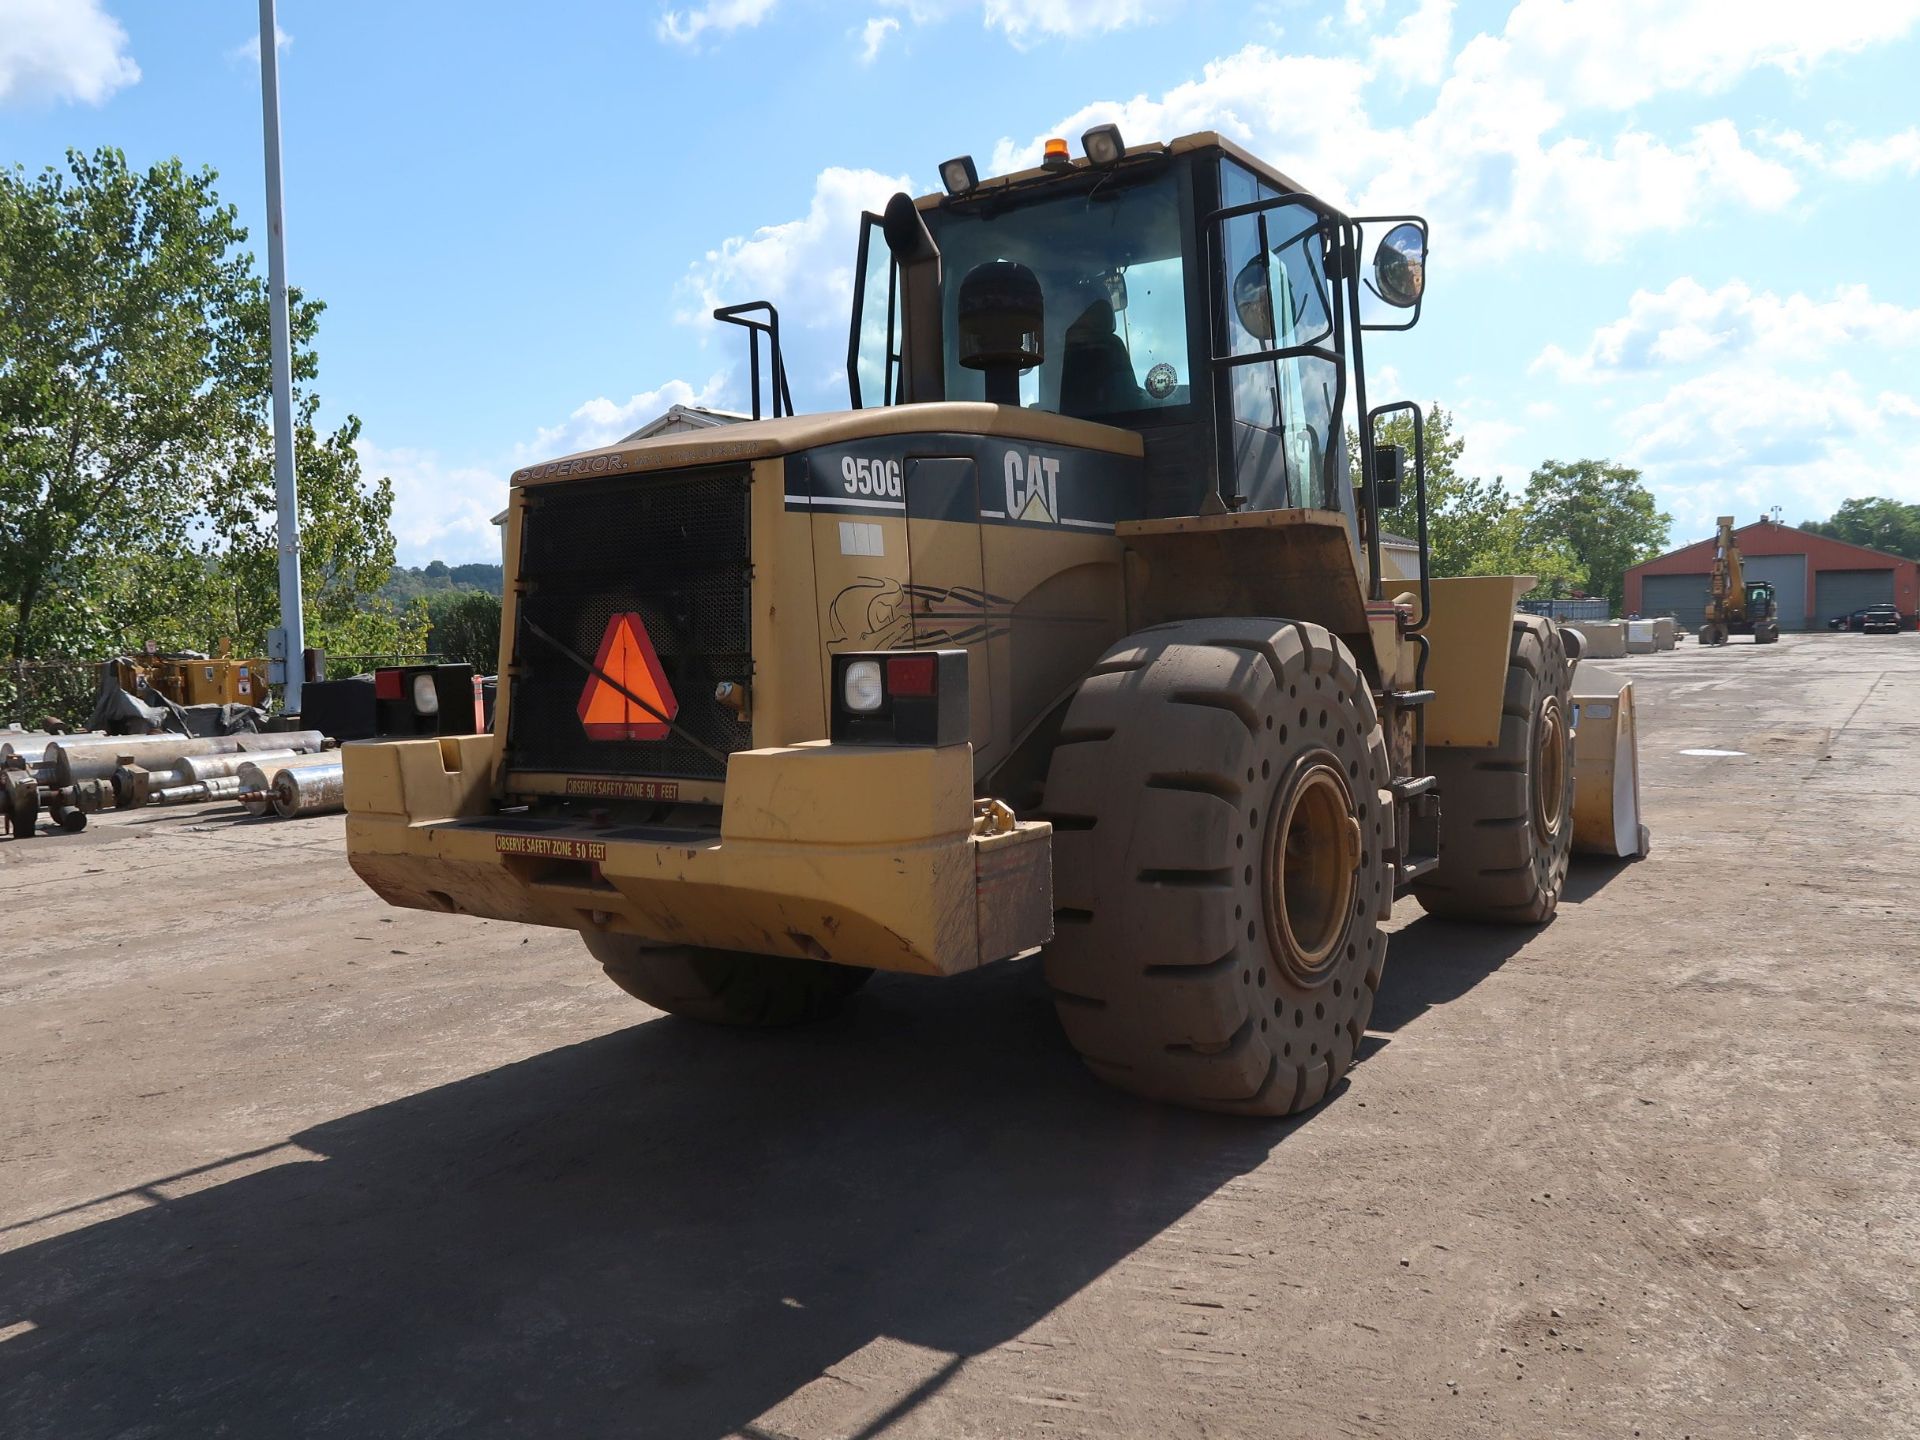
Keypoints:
pixel 1676 233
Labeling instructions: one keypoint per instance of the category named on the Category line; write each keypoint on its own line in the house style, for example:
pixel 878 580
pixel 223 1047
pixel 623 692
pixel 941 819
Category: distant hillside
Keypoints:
pixel 408 583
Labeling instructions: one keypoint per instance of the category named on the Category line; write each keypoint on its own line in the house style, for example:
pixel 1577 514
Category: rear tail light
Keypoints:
pixel 919 698
pixel 914 675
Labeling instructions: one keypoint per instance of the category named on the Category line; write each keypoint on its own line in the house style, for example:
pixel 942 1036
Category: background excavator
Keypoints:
pixel 1735 604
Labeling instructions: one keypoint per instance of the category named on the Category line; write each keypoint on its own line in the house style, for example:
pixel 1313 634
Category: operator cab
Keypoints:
pixel 1185 291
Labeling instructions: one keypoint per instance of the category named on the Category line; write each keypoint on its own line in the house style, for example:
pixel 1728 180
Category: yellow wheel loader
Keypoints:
pixel 1071 634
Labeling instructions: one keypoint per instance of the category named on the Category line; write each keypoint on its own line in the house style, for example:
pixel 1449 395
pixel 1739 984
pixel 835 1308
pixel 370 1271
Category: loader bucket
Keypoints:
pixel 1606 793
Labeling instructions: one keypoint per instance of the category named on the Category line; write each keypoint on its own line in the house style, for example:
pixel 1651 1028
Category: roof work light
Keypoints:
pixel 959 175
pixel 1055 156
pixel 1103 145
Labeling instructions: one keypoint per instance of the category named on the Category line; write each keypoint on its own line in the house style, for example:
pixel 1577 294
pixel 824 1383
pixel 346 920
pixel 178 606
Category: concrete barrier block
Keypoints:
pixel 1666 634
pixel 1606 639
pixel 1639 637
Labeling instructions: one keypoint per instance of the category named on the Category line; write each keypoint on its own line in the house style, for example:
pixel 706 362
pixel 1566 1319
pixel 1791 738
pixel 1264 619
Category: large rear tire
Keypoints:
pixel 1220 864
pixel 725 987
pixel 1506 810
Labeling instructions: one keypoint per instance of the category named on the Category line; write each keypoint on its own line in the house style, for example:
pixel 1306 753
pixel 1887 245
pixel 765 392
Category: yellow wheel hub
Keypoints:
pixel 1314 851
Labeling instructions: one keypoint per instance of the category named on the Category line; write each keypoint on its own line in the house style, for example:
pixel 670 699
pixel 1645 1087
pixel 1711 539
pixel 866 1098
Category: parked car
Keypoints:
pixel 1853 620
pixel 1878 619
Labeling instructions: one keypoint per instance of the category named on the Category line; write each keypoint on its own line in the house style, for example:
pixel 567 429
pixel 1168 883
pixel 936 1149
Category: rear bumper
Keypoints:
pixel 857 855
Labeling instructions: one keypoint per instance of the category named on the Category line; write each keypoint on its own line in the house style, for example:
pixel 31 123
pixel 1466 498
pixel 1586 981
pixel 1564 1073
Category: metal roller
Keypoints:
pixel 192 792
pixel 98 758
pixel 310 790
pixel 197 769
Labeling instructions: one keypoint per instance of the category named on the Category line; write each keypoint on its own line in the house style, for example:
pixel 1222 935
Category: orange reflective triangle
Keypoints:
pixel 626 655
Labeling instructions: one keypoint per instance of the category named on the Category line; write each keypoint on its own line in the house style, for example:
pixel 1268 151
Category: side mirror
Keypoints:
pixel 1253 299
pixel 1400 266
pixel 1389 466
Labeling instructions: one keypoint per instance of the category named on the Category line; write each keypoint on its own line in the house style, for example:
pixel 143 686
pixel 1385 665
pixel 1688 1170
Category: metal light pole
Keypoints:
pixel 288 642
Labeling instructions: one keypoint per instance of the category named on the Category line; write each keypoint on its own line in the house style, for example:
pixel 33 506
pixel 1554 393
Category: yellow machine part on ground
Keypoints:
pixel 1606 786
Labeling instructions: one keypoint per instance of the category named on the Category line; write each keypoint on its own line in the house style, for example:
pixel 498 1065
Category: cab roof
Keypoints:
pixel 1199 140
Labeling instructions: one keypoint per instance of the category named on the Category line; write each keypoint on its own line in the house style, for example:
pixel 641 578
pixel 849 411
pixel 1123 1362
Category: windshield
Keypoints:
pixel 1112 275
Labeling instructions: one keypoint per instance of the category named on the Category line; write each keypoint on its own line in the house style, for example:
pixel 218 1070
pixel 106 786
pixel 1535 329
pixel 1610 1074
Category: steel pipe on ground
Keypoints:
pixel 310 790
pixel 31 745
pixel 97 759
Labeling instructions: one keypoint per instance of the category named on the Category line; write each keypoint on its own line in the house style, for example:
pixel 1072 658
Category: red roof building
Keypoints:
pixel 1814 578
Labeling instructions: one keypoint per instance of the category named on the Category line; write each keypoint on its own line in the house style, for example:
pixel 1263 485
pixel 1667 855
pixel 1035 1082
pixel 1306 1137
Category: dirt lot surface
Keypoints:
pixel 277 1161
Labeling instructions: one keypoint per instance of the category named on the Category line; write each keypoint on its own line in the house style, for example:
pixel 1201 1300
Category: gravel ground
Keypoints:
pixel 276 1160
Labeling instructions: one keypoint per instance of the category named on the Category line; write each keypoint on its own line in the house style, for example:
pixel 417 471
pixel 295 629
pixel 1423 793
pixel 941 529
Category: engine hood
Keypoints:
pixel 766 439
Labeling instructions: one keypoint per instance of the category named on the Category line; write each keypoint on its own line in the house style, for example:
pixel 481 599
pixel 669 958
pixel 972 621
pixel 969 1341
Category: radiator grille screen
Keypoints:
pixel 672 549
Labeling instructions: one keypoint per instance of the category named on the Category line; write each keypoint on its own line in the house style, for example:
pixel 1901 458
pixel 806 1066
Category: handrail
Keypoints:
pixel 737 315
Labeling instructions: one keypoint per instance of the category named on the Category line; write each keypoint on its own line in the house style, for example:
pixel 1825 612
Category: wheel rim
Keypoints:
pixel 1549 770
pixel 1314 851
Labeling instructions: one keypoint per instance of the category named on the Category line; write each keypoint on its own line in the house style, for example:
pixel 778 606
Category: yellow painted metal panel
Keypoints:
pixel 1471 633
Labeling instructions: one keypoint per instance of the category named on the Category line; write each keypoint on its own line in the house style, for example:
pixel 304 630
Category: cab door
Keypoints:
pixel 950 608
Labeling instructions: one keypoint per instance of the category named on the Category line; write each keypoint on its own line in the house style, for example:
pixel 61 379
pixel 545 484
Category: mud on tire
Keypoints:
pixel 725 987
pixel 1506 811
pixel 1220 867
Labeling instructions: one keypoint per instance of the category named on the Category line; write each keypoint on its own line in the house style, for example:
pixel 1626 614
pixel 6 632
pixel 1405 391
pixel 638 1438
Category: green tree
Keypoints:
pixel 125 374
pixel 1601 513
pixel 1474 526
pixel 136 496
pixel 466 630
pixel 1889 525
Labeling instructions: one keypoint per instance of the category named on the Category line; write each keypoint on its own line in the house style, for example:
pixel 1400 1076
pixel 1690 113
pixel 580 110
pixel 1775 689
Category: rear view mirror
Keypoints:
pixel 1400 266
pixel 1389 464
pixel 1253 299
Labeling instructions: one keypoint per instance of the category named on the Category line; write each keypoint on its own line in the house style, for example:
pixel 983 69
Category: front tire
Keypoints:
pixel 1220 864
pixel 1506 810
pixel 725 987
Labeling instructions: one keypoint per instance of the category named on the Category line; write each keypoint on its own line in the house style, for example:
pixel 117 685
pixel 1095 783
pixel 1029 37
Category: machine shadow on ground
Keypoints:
pixel 666 1230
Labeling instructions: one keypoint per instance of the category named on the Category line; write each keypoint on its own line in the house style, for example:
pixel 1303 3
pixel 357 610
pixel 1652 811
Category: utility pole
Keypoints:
pixel 286 645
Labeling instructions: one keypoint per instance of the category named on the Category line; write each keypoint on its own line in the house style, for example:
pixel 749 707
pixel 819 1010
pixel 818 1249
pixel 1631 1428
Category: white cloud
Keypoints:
pixel 1486 448
pixel 1614 54
pixel 440 511
pixel 1305 113
pixel 1686 324
pixel 1740 405
pixel 1417 49
pixel 1747 436
pixel 58 50
pixel 249 48
pixel 1489 163
pixel 720 16
pixel 1873 159
pixel 601 421
pixel 804 266
pixel 1026 21
pixel 1855 159
pixel 874 35
pixel 445 512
